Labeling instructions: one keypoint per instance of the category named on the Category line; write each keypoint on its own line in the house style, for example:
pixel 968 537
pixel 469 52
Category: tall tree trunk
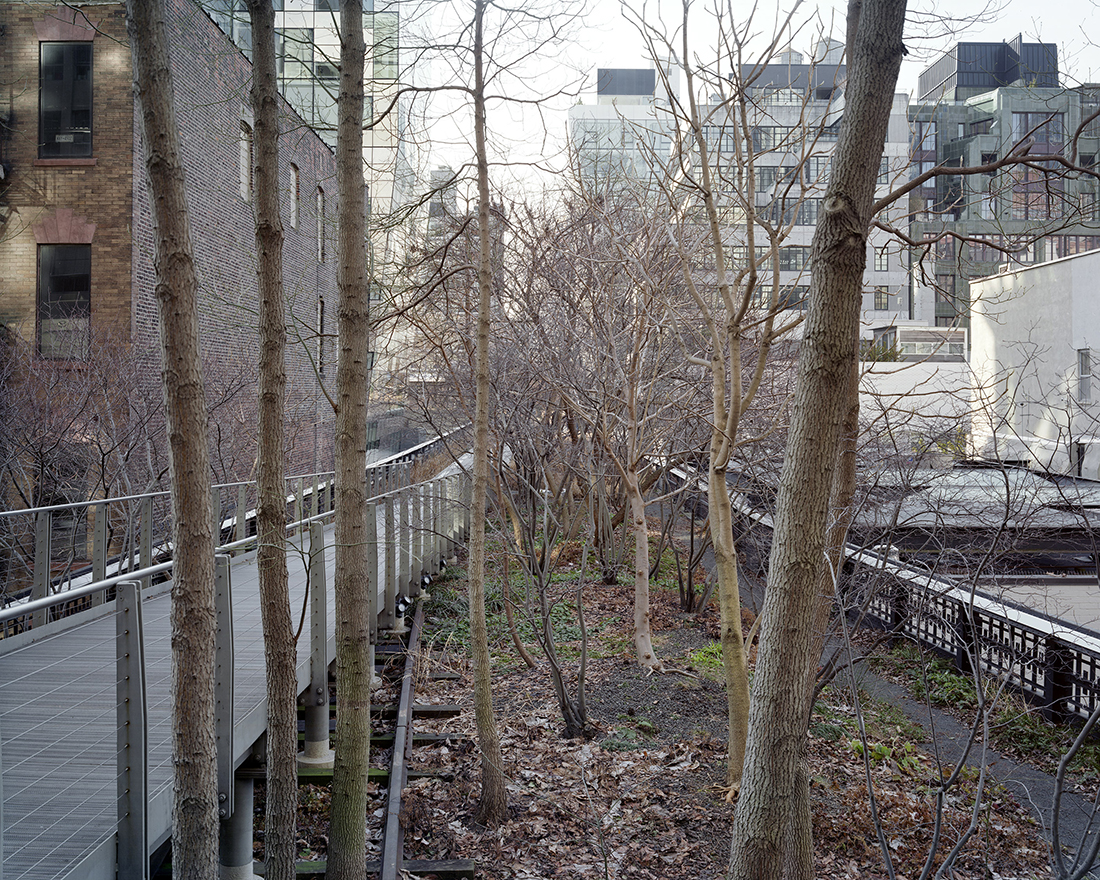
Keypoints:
pixel 194 750
pixel 843 495
pixel 347 853
pixel 280 827
pixel 643 635
pixel 773 786
pixel 729 607
pixel 493 804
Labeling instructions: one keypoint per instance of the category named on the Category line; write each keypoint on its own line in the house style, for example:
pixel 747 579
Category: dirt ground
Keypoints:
pixel 643 797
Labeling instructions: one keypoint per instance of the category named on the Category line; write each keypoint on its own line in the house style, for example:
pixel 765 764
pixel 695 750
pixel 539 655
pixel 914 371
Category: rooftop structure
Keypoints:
pixel 1015 214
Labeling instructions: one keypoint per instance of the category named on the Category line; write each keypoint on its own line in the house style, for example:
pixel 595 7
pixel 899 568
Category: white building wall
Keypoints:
pixel 1028 327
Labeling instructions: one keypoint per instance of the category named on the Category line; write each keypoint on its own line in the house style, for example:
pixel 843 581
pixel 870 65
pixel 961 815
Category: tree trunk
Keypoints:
pixel 493 805
pixel 352 582
pixel 194 751
pixel 773 786
pixel 280 655
pixel 843 494
pixel 643 636
pixel 729 607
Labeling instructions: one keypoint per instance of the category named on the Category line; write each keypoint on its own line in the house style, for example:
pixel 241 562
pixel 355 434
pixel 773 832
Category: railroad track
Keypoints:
pixel 401 741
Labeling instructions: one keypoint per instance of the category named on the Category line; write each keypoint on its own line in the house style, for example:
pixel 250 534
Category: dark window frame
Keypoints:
pixel 63 133
pixel 64 297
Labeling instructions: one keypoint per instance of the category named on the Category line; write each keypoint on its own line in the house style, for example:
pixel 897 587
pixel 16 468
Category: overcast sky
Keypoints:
pixel 522 134
pixel 611 41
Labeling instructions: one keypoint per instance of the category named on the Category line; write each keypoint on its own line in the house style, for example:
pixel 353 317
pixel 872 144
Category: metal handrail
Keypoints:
pixel 307 484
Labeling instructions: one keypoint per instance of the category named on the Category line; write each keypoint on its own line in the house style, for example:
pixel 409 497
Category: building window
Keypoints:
pixel 882 260
pixel 294 53
pixel 246 162
pixel 1084 375
pixel 64 300
pixel 923 136
pixel 295 191
pixel 1044 128
pixel 945 289
pixel 882 299
pixel 64 100
pixel 817 169
pixel 386 45
pixel 320 225
pixel 320 336
pixel 1077 466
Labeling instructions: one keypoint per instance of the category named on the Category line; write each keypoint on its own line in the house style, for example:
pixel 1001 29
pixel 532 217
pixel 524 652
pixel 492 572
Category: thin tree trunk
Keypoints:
pixel 643 636
pixel 768 811
pixel 280 827
pixel 194 751
pixel 493 804
pixel 347 852
pixel 729 608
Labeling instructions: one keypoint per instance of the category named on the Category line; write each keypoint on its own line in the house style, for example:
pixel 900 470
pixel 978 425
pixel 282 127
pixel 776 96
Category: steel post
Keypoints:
pixel 240 531
pixel 388 617
pixel 145 539
pixel 223 684
pixel 235 834
pixel 40 586
pixel 404 540
pixel 99 547
pixel 132 725
pixel 317 752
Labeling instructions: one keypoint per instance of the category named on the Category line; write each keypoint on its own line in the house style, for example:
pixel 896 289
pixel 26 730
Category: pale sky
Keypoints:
pixel 613 41
pixel 607 38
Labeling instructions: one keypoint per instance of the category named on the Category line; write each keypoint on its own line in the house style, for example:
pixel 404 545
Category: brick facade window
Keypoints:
pixel 320 225
pixel 295 192
pixel 64 300
pixel 246 161
pixel 65 100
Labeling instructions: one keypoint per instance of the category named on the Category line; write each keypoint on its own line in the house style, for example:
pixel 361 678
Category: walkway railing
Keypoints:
pixel 1052 663
pixel 63 828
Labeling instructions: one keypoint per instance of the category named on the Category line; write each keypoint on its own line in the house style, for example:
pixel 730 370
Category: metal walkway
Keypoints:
pixel 63 702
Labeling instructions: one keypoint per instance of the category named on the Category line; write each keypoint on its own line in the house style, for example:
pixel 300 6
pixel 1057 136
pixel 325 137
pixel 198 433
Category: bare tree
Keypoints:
pixel 195 811
pixel 493 804
pixel 353 583
pixel 772 835
pixel 735 305
pixel 280 827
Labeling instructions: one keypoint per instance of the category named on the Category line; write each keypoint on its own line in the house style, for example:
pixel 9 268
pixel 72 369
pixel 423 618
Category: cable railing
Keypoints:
pixel 108 540
pixel 85 679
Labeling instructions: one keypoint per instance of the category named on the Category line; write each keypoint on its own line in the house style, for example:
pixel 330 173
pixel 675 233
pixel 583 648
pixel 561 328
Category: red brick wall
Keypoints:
pixel 97 191
pixel 211 81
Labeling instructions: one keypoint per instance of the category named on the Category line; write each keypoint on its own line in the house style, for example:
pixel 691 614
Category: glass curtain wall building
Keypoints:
pixel 308 57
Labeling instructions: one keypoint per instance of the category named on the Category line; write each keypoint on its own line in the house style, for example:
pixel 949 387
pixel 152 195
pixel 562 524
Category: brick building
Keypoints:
pixel 76 236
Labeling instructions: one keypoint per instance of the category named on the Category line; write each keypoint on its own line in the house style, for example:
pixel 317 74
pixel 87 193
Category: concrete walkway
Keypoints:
pixel 946 737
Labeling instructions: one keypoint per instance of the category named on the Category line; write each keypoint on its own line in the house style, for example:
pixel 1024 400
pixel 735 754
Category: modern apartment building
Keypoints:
pixel 626 136
pixel 629 136
pixel 978 102
pixel 795 107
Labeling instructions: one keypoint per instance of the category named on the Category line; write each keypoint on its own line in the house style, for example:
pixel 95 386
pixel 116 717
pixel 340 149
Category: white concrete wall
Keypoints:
pixel 916 404
pixel 1026 329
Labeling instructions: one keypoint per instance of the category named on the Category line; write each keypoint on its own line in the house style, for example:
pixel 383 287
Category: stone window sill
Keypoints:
pixel 64 163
